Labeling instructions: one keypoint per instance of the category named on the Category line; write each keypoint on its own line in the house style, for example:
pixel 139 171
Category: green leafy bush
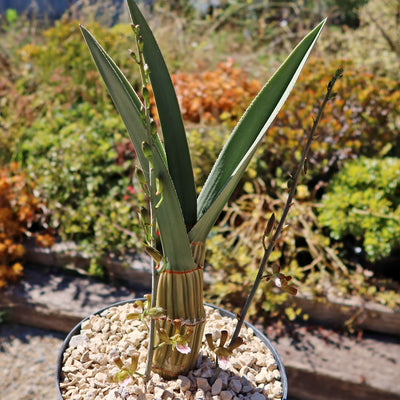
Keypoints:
pixel 48 75
pixel 62 52
pixel 83 165
pixel 205 143
pixel 11 16
pixel 363 200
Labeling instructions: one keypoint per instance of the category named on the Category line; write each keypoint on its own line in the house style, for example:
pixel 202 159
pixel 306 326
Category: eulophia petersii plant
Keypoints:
pixel 183 221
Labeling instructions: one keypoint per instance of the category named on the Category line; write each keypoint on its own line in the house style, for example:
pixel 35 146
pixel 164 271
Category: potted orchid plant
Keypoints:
pixel 177 222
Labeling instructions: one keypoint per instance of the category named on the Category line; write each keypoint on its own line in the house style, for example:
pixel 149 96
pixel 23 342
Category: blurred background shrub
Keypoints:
pixel 22 214
pixel 82 163
pixel 363 200
pixel 220 95
pixel 375 44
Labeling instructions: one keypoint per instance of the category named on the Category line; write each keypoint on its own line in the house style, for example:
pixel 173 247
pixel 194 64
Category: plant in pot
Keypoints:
pixel 171 321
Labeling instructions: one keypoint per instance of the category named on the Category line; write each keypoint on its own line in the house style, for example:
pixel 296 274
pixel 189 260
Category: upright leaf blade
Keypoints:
pixel 247 135
pixel 169 214
pixel 175 142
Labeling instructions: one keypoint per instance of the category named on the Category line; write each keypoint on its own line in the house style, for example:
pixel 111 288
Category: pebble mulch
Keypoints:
pixel 88 368
pixel 27 362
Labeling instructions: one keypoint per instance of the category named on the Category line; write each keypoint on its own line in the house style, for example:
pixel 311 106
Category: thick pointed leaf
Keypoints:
pixel 176 147
pixel 247 135
pixel 169 214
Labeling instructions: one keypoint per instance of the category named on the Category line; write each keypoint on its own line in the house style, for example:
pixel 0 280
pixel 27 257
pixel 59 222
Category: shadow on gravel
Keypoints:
pixel 9 332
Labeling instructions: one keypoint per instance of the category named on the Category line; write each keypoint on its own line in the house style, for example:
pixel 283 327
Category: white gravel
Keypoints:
pixel 89 370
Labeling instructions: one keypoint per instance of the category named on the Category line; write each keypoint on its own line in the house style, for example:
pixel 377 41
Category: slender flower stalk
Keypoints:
pixel 144 75
pixel 292 185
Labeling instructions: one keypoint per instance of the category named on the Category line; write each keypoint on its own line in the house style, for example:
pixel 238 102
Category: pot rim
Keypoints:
pixel 224 312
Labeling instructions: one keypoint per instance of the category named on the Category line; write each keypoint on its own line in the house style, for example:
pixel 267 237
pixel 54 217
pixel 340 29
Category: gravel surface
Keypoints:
pixel 27 362
pixel 89 371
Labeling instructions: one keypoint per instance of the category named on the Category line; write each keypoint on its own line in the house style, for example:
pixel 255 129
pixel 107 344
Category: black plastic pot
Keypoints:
pixel 223 312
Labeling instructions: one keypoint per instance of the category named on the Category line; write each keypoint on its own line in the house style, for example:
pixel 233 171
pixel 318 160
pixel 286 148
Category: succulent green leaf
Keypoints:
pixel 169 215
pixel 247 135
pixel 175 142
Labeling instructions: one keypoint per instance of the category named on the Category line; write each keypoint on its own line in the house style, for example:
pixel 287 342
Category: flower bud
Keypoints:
pixel 116 358
pixel 154 254
pixel 146 96
pixel 270 225
pixel 134 316
pixel 134 361
pixel 156 312
pixel 159 186
pixel 144 215
pixel 140 176
pixel 135 29
pixel 139 303
pixel 153 126
pixel 147 152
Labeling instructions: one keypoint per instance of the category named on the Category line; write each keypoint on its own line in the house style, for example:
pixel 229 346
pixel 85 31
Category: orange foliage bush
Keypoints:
pixel 213 96
pixel 21 214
